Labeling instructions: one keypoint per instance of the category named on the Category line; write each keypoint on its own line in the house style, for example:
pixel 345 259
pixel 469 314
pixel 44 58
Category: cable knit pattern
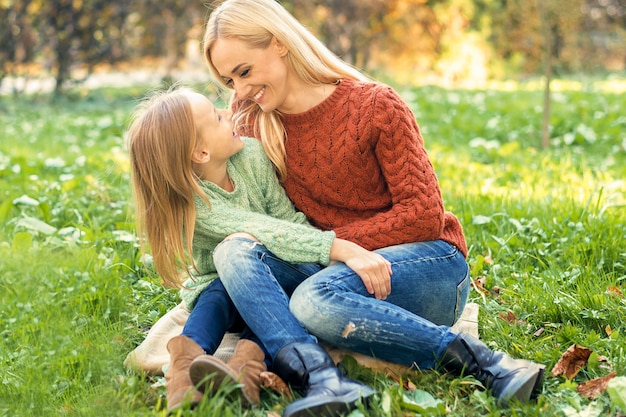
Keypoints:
pixel 356 164
pixel 259 206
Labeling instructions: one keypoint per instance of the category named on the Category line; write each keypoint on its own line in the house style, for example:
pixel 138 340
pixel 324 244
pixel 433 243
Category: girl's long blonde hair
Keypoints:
pixel 161 140
pixel 256 22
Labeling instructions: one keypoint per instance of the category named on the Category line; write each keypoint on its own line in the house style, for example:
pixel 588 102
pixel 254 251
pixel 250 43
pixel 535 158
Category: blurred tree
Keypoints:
pixel 165 27
pixel 17 41
pixel 88 32
pixel 345 26
pixel 457 39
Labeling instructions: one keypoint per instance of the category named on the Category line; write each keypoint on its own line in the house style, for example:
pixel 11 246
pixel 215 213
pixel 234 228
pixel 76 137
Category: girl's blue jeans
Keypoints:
pixel 283 302
pixel 212 316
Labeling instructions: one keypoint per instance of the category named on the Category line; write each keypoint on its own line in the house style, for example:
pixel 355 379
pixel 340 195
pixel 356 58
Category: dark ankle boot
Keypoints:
pixel 507 378
pixel 308 368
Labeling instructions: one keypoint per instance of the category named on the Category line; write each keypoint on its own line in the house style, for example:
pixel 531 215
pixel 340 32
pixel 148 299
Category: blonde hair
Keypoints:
pixel 256 22
pixel 161 140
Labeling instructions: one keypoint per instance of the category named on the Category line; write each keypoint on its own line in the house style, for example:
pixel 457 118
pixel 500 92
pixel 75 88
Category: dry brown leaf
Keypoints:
pixel 272 414
pixel 479 284
pixel 272 381
pixel 572 361
pixel 612 290
pixel 594 387
pixel 608 330
pixel 510 318
pixel 407 384
pixel 539 332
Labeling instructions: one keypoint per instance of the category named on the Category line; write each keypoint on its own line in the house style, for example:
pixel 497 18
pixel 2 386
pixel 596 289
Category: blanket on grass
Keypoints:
pixel 151 355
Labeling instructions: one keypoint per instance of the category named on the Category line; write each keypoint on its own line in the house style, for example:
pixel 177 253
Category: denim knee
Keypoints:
pixel 304 303
pixel 232 247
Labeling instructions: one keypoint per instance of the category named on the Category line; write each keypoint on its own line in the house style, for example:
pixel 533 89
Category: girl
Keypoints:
pixel 351 157
pixel 197 182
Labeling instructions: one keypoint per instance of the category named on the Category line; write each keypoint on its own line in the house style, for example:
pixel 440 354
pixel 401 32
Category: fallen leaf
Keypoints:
pixel 572 361
pixel 608 330
pixel 539 332
pixel 593 388
pixel 405 382
pixel 612 290
pixel 479 284
pixel 272 381
pixel 510 318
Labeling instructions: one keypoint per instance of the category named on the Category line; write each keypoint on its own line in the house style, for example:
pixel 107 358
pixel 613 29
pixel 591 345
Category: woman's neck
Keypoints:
pixel 306 96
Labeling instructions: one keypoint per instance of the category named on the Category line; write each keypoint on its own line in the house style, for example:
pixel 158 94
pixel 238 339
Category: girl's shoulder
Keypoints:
pixel 252 157
pixel 252 150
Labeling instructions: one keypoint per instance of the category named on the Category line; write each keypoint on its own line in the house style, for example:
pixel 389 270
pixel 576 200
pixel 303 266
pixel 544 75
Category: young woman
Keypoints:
pixel 196 183
pixel 351 157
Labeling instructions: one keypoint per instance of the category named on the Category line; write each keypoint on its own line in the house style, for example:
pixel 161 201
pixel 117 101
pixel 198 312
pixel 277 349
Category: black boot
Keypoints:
pixel 507 378
pixel 308 368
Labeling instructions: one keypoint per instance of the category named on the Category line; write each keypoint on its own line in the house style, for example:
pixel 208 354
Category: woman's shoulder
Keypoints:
pixel 369 91
pixel 373 96
pixel 367 87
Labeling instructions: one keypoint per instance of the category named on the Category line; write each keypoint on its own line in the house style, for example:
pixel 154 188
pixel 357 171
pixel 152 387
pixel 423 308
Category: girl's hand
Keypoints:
pixel 372 268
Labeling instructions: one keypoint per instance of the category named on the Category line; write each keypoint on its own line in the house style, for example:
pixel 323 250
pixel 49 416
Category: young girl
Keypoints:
pixel 197 182
pixel 351 158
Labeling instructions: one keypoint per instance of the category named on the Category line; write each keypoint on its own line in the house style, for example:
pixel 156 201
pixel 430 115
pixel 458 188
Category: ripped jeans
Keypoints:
pixel 429 288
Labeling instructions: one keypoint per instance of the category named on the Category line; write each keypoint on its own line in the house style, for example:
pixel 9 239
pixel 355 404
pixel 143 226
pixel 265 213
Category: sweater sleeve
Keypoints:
pixel 292 242
pixel 417 210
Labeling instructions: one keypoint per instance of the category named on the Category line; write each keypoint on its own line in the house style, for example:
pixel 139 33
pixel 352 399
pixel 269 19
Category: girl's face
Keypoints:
pixel 215 129
pixel 257 74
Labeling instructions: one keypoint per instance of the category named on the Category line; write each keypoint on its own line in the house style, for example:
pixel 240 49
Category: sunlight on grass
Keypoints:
pixel 546 230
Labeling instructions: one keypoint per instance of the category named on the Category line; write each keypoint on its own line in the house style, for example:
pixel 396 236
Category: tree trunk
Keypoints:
pixel 545 17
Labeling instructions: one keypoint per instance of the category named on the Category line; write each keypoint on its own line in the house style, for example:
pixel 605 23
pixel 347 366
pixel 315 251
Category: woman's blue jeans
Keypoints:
pixel 429 288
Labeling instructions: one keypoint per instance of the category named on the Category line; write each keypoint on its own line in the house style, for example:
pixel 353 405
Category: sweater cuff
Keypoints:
pixel 327 241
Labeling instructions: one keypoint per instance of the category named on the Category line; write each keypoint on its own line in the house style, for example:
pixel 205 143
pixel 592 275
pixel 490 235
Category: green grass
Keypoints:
pixel 545 228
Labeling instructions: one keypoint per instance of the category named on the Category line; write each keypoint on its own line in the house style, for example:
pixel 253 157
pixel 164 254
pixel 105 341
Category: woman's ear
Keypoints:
pixel 279 47
pixel 200 156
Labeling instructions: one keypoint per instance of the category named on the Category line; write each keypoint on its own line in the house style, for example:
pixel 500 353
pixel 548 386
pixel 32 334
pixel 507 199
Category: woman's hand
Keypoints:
pixel 372 268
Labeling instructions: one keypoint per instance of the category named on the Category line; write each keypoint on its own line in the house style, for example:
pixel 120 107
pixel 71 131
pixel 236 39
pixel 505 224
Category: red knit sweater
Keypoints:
pixel 356 164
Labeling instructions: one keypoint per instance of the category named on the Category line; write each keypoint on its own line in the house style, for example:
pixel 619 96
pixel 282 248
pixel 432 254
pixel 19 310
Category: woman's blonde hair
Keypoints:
pixel 256 22
pixel 161 140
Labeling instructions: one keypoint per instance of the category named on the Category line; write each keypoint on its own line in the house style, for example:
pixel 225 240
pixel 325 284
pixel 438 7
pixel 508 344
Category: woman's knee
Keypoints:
pixel 301 302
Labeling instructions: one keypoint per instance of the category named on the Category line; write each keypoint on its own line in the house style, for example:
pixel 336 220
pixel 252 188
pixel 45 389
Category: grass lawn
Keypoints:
pixel 546 230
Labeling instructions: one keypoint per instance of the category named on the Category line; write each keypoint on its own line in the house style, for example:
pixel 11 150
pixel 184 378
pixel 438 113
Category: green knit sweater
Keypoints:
pixel 258 206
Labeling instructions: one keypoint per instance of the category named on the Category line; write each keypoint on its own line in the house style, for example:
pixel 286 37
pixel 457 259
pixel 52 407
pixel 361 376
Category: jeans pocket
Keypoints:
pixel 462 294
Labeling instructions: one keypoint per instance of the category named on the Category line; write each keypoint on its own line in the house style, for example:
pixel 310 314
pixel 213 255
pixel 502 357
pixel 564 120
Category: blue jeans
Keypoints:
pixel 212 316
pixel 260 285
pixel 430 284
pixel 430 278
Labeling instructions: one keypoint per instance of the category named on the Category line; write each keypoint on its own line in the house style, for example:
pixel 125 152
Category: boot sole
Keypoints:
pixel 209 375
pixel 525 389
pixel 327 407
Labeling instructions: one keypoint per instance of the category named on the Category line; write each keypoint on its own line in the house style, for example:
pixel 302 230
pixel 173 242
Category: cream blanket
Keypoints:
pixel 151 355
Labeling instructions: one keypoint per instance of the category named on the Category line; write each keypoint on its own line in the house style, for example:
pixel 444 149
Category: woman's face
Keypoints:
pixel 257 74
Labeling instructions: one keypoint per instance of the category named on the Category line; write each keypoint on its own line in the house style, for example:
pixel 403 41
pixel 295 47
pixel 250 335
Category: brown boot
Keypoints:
pixel 179 388
pixel 244 367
